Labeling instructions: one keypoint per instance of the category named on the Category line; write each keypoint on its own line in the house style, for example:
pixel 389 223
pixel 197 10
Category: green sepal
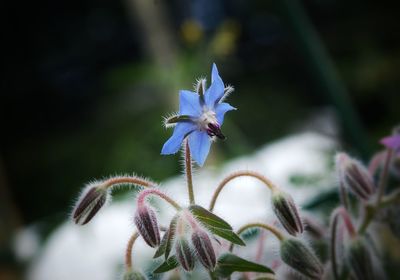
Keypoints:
pixel 166 242
pixel 168 265
pixel 163 245
pixel 180 118
pixel 215 224
pixel 229 263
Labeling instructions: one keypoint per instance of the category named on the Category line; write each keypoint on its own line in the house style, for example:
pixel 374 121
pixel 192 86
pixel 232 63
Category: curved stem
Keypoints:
pixel 237 174
pixel 142 196
pixel 128 252
pixel 270 228
pixel 188 170
pixel 130 180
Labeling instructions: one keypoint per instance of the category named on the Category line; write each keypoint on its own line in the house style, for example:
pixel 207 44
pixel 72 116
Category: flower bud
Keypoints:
pixel 146 223
pixel 204 249
pixel 354 176
pixel 286 211
pixel 359 260
pixel 89 203
pixel 301 258
pixel 134 275
pixel 184 254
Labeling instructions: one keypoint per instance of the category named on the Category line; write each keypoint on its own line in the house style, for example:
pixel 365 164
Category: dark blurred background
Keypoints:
pixel 85 85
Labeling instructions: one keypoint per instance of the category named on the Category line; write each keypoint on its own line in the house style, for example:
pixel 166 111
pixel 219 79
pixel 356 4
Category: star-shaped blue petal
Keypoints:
pixel 200 118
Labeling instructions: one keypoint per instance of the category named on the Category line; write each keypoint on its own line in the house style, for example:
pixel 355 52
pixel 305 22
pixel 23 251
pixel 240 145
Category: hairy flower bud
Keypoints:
pixel 286 211
pixel 204 249
pixel 146 223
pixel 354 176
pixel 89 203
pixel 133 275
pixel 184 254
pixel 360 260
pixel 301 258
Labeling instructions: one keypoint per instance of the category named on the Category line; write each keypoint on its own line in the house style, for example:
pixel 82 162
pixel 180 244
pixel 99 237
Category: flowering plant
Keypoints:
pixel 195 236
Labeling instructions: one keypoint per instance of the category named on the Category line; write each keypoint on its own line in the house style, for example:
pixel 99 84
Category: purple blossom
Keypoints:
pixel 200 118
pixel 391 142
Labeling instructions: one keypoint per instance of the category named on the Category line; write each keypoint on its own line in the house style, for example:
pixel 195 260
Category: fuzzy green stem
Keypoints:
pixel 237 174
pixel 157 192
pixel 188 170
pixel 128 180
pixel 270 228
pixel 128 252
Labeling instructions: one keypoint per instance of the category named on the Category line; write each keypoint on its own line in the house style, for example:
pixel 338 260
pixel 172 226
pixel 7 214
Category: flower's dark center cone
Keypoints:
pixel 215 130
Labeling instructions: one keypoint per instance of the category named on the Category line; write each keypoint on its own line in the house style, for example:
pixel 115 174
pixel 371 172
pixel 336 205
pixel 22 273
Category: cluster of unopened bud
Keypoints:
pixel 354 176
pixel 200 245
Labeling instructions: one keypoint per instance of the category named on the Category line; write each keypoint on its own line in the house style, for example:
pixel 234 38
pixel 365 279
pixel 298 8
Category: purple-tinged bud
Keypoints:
pixel 146 223
pixel 301 258
pixel 89 203
pixel 204 249
pixel 134 275
pixel 360 260
pixel 354 176
pixel 286 210
pixel 184 254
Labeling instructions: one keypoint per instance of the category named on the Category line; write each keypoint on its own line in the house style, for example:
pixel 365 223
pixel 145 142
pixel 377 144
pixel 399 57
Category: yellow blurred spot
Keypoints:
pixel 191 32
pixel 224 42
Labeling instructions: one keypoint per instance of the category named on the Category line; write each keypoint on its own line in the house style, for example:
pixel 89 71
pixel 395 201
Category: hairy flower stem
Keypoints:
pixel 270 228
pixel 237 174
pixel 128 252
pixel 129 180
pixel 188 170
pixel 142 196
pixel 371 209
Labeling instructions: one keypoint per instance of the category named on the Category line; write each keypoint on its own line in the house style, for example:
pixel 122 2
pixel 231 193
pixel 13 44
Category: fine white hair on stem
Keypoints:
pixel 168 117
pixel 182 160
pixel 227 91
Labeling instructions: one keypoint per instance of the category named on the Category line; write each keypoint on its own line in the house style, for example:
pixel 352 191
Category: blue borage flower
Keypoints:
pixel 200 117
